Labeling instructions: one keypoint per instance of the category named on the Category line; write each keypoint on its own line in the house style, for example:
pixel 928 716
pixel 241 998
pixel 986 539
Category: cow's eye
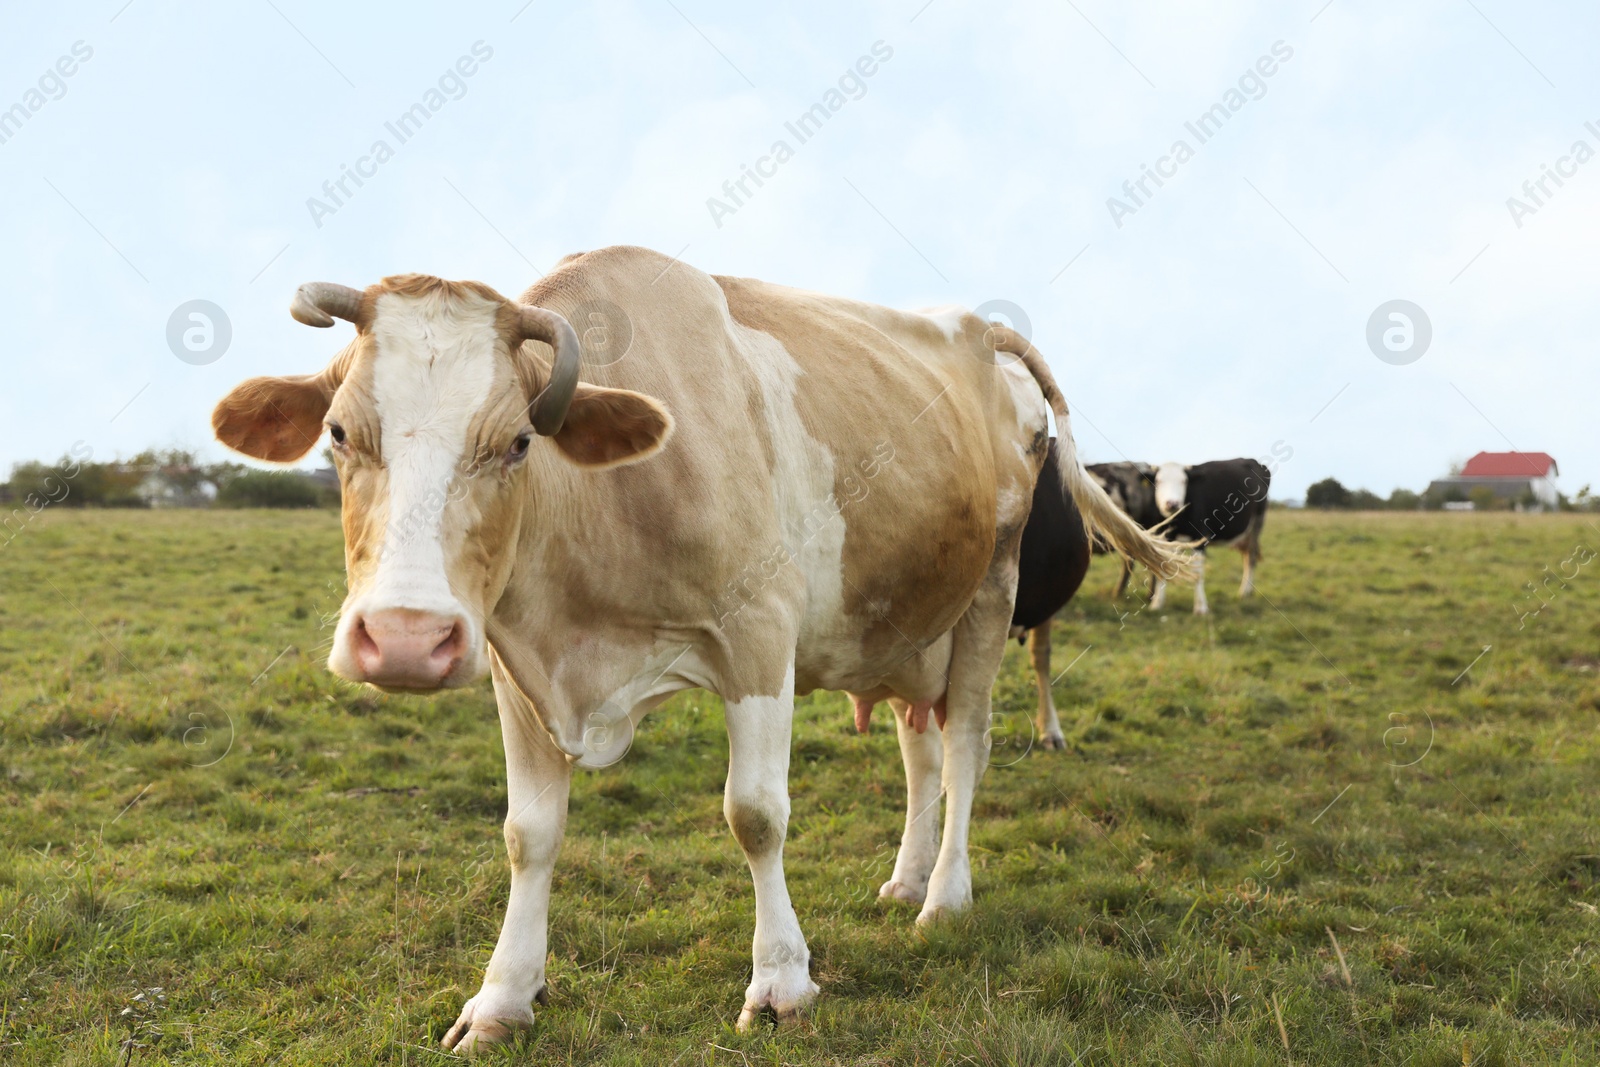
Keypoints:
pixel 336 432
pixel 519 447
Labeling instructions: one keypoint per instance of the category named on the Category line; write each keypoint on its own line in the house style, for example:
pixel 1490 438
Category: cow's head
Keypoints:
pixel 1172 487
pixel 434 410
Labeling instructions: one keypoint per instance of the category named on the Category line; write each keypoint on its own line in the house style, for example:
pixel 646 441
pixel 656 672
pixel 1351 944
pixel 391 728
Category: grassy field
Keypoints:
pixel 1324 827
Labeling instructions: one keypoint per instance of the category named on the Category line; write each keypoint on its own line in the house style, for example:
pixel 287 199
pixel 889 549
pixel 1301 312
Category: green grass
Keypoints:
pixel 312 874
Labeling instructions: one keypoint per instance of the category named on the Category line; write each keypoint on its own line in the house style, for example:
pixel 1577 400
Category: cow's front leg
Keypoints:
pixel 756 804
pixel 923 754
pixel 538 781
pixel 1200 605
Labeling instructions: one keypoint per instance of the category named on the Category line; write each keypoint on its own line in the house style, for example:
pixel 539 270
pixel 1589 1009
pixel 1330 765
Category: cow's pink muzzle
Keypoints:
pixel 404 649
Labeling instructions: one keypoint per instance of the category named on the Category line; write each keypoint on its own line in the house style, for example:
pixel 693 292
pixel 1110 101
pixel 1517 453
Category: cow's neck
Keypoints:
pixel 582 649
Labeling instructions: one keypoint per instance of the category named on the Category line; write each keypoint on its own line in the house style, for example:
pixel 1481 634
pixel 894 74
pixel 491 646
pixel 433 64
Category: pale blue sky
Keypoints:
pixel 1228 314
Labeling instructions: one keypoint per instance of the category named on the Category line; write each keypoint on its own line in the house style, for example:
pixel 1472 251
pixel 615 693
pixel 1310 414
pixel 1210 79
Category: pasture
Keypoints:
pixel 1322 827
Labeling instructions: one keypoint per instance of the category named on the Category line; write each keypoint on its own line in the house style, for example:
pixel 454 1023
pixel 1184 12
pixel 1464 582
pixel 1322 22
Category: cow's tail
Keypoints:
pixel 1101 516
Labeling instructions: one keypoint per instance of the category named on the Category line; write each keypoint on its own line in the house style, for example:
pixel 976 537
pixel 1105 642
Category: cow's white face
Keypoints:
pixel 428 411
pixel 1172 487
pixel 428 445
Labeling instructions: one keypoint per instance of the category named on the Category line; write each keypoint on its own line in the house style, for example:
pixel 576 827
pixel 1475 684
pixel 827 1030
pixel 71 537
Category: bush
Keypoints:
pixel 1483 499
pixel 270 489
pixel 1435 498
pixel 1328 493
pixel 1366 500
pixel 1404 500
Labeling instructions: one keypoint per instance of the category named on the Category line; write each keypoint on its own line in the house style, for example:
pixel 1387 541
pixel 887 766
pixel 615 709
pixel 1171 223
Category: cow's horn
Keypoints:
pixel 319 303
pixel 549 409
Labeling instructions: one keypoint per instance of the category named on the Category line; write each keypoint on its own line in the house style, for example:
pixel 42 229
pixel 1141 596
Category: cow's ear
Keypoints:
pixel 277 419
pixel 609 427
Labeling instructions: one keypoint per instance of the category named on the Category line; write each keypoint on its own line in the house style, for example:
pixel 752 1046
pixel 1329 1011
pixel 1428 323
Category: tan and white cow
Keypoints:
pixel 773 492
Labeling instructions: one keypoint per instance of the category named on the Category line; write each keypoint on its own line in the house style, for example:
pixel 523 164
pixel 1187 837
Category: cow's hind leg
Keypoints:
pixel 1122 579
pixel 1251 550
pixel 923 755
pixel 1049 727
pixel 756 804
pixel 977 649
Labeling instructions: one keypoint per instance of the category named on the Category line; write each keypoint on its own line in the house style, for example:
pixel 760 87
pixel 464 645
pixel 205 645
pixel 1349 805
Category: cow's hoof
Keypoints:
pixel 937 913
pixel 949 893
pixel 893 890
pixel 1054 742
pixel 786 998
pixel 479 1025
pixel 1201 609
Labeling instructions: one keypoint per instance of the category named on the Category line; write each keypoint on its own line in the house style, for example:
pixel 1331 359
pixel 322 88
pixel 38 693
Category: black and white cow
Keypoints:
pixel 1054 560
pixel 1132 487
pixel 1223 502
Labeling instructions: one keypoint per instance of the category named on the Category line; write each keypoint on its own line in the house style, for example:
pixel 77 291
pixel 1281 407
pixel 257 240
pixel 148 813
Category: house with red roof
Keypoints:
pixel 1525 479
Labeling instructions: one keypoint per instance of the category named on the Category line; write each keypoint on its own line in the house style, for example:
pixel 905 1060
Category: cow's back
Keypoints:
pixel 921 433
pixel 1225 499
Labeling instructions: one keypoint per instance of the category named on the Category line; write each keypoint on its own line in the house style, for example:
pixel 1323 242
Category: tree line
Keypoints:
pixel 1331 495
pixel 176 477
pixel 161 478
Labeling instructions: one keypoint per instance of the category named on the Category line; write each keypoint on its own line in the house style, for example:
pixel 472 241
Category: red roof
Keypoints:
pixel 1510 465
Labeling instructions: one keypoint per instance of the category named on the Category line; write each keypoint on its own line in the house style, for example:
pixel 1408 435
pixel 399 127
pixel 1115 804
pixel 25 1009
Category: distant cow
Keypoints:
pixel 1223 502
pixel 1132 487
pixel 1054 560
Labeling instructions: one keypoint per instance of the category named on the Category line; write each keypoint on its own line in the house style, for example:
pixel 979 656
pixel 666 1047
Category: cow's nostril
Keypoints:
pixel 366 649
pixel 451 648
